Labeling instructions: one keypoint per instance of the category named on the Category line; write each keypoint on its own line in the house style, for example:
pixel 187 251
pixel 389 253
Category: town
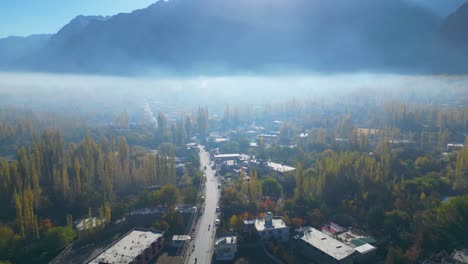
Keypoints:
pixel 249 188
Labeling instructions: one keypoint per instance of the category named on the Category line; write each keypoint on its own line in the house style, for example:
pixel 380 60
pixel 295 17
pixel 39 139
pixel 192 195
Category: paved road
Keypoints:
pixel 204 238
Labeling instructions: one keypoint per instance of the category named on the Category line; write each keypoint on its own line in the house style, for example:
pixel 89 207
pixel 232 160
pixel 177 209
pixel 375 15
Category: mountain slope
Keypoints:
pixel 454 38
pixel 243 35
pixel 14 48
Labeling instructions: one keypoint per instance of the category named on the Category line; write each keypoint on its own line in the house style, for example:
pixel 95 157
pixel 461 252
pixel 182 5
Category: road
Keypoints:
pixel 204 238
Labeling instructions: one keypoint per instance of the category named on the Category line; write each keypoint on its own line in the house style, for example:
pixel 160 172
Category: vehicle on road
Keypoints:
pixel 219 186
pixel 217 222
pixel 217 209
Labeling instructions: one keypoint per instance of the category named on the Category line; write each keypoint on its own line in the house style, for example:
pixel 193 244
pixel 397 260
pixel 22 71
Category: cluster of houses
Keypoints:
pixel 331 244
pixel 234 163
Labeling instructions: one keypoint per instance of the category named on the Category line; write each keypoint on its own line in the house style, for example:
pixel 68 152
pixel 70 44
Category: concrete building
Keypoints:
pixel 179 240
pixel 226 248
pixel 281 168
pixel 89 223
pixel 271 227
pixel 322 248
pixel 460 256
pixel 139 246
pixel 443 257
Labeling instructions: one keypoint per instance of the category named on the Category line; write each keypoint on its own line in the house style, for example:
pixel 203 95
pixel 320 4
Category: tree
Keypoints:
pixel 19 213
pixel 169 196
pixel 375 217
pixel 272 188
pixel 190 195
pixel 235 223
pixel 7 242
pixel 58 238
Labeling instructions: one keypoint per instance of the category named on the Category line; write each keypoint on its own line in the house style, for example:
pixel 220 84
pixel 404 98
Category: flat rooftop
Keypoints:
pixel 366 248
pixel 326 244
pixel 280 167
pixel 128 248
pixel 355 238
pixel 227 156
pixel 180 237
pixel 277 222
pixel 226 240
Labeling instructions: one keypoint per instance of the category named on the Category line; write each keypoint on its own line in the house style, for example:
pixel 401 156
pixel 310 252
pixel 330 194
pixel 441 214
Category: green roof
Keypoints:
pixel 363 241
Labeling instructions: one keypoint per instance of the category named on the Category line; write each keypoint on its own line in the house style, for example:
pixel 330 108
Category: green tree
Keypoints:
pixel 190 195
pixel 271 187
pixel 169 196
pixel 58 238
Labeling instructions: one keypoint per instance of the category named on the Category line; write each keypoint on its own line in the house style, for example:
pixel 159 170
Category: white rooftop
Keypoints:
pixel 276 222
pixel 180 237
pixel 326 244
pixel 365 248
pixel 280 167
pixel 128 248
pixel 461 255
pixel 227 240
pixel 227 156
pixel 90 223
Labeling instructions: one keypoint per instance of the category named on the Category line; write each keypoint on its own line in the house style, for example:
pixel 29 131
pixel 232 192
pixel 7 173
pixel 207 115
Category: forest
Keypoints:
pixel 54 177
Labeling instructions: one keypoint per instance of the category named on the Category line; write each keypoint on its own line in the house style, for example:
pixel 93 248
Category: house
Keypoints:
pixel 226 248
pixel 89 223
pixel 332 228
pixel 281 168
pixel 322 248
pixel 443 257
pixel 452 146
pixel 179 240
pixel 138 246
pixel 460 256
pixel 357 239
pixel 271 227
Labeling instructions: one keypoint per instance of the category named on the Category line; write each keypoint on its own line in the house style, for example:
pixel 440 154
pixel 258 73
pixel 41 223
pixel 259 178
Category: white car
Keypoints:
pixel 217 222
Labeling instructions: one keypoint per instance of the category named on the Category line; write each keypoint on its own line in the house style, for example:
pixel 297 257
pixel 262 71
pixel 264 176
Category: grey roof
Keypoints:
pixel 128 248
pixel 326 244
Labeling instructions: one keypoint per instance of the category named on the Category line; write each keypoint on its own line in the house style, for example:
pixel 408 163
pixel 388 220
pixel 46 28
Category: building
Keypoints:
pixel 354 238
pixel 271 227
pixel 443 257
pixel 281 168
pixel 452 146
pixel 226 248
pixel 179 240
pixel 460 256
pixel 139 246
pixel 322 248
pixel 89 223
pixel 332 228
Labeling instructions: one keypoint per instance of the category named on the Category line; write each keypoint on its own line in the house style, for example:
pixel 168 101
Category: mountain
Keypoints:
pixel 212 36
pixel 455 27
pixel 454 36
pixel 14 48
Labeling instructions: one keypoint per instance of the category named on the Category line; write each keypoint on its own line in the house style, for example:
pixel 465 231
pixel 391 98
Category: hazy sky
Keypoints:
pixel 26 17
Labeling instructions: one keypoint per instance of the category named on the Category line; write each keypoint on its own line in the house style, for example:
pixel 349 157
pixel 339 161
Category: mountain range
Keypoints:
pixel 217 37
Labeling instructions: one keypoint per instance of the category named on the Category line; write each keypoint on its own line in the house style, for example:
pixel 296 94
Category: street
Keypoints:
pixel 205 233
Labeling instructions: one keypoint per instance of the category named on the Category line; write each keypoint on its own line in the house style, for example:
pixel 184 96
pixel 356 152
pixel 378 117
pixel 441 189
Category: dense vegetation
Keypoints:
pixel 54 178
pixel 395 178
